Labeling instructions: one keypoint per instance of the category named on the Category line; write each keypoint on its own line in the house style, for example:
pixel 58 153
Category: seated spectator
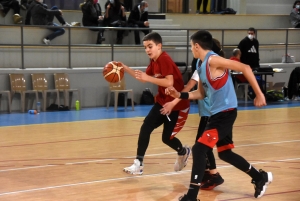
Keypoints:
pixel 295 15
pixel 40 15
pixel 139 18
pixel 92 17
pixel 115 17
pixel 6 5
pixel 236 56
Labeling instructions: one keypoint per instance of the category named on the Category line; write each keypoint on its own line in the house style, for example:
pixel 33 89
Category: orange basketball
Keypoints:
pixel 113 72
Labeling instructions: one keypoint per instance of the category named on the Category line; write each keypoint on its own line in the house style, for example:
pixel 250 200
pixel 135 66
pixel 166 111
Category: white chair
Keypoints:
pixel 40 84
pixel 116 88
pixel 245 85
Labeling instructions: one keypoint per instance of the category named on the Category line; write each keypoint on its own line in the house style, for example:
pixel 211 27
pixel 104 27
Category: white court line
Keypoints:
pixel 102 160
pixel 123 178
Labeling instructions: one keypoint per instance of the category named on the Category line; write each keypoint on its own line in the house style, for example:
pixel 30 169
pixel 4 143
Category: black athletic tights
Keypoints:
pixel 153 120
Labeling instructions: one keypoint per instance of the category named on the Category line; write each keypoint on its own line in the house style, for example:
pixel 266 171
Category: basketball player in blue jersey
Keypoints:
pixel 216 84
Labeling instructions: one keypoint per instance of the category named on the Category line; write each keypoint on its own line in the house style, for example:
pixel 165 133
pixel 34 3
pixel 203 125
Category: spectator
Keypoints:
pixel 5 5
pixel 236 56
pixel 42 16
pixel 92 16
pixel 128 5
pixel 249 48
pixel 115 17
pixel 295 15
pixel 139 18
pixel 199 2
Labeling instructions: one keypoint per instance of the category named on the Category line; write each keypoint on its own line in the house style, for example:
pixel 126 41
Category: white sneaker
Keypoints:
pixel 66 24
pixel 136 168
pixel 46 41
pixel 182 160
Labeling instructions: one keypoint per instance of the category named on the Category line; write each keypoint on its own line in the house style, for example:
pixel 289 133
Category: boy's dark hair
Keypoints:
pixel 203 38
pixel 252 29
pixel 154 36
pixel 296 3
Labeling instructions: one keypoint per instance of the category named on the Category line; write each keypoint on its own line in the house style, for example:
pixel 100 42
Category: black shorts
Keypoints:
pixel 218 130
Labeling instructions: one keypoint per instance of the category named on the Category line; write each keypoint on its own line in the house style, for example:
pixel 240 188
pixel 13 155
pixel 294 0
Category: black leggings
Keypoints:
pixel 153 120
pixel 210 157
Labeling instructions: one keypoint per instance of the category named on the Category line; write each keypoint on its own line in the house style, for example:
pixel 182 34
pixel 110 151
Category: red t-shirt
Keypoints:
pixel 241 78
pixel 160 68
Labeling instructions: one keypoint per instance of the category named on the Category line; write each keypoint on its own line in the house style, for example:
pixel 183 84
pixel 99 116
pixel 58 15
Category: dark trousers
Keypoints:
pixel 56 31
pixel 137 33
pixel 12 5
pixel 199 2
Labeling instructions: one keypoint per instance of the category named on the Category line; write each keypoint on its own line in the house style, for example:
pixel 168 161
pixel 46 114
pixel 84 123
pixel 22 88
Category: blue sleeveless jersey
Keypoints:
pixel 219 91
pixel 202 104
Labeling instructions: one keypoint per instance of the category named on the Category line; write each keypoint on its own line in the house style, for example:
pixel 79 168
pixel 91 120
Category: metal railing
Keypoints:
pixel 23 45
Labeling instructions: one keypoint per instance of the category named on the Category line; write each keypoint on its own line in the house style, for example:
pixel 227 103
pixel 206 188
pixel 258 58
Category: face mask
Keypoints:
pixel 146 9
pixel 250 36
pixel 297 6
pixel 112 1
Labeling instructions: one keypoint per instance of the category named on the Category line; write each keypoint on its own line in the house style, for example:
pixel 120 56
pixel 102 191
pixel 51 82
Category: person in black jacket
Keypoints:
pixel 6 5
pixel 92 16
pixel 115 17
pixel 41 15
pixel 249 48
pixel 139 18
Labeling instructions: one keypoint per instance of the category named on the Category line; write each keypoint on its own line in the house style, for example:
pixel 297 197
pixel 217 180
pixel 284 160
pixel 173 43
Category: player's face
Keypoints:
pixel 152 50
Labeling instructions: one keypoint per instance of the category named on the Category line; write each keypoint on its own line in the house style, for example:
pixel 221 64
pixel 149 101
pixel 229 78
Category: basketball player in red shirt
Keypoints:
pixel 163 72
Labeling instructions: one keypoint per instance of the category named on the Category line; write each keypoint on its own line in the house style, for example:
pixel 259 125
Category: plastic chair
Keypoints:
pixel 246 86
pixel 8 99
pixel 62 84
pixel 40 84
pixel 116 88
pixel 18 85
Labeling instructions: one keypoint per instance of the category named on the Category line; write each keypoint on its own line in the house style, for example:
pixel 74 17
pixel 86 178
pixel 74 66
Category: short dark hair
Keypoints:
pixel 154 36
pixel 203 38
pixel 252 29
pixel 296 3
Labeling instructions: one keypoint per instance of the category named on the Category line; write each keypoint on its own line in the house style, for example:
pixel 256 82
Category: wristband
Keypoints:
pixel 184 95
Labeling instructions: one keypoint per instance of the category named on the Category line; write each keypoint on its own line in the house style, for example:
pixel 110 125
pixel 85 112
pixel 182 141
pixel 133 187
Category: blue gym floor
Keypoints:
pixel 84 114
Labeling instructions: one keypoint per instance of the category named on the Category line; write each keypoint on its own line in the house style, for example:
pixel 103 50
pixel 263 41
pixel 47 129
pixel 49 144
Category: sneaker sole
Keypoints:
pixel 129 172
pixel 212 187
pixel 270 179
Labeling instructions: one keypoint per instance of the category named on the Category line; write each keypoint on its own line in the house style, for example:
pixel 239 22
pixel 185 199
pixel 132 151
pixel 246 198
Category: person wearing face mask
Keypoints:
pixel 115 17
pixel 139 18
pixel 92 16
pixel 39 14
pixel 249 47
pixel 295 15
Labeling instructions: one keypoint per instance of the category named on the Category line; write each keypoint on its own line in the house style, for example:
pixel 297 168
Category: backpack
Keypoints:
pixel 274 96
pixel 147 97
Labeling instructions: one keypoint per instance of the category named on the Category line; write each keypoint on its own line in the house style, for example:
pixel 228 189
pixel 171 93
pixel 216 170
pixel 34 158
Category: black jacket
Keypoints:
pixel 91 13
pixel 135 18
pixel 114 14
pixel 40 14
pixel 250 52
pixel 293 83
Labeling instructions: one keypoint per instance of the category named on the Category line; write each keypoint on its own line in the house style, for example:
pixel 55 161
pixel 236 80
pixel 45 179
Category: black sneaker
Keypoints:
pixel 261 186
pixel 186 198
pixel 206 177
pixel 213 181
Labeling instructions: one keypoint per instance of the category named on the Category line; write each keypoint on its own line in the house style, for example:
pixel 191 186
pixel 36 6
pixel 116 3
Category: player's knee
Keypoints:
pixel 199 149
pixel 225 155
pixel 166 139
